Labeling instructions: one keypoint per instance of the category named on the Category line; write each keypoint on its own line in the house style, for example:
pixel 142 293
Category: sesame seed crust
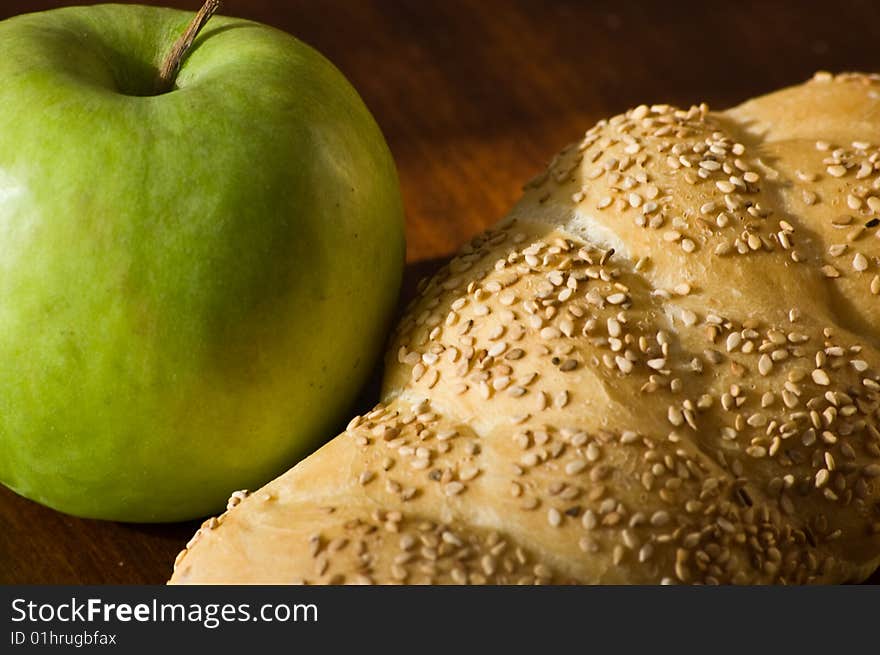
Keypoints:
pixel 662 366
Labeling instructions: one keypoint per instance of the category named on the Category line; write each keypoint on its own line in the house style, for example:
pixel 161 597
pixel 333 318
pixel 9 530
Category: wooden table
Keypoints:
pixel 474 96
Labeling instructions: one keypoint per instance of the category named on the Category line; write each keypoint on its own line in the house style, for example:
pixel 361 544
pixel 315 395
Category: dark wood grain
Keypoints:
pixel 474 96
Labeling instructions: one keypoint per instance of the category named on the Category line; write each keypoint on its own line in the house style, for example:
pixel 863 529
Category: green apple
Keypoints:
pixel 195 284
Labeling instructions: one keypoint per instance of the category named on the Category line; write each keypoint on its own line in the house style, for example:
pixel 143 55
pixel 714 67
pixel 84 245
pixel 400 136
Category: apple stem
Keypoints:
pixel 171 65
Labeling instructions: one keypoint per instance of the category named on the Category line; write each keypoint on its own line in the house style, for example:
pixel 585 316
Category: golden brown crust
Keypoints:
pixel 662 366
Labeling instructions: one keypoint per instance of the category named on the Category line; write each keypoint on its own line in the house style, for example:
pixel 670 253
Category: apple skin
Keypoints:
pixel 194 286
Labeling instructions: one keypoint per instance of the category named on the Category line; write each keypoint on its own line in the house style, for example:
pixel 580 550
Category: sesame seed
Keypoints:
pixel 722 249
pixel 453 488
pixel 614 329
pixel 589 520
pixel 804 176
pixel 734 339
pixel 860 262
pixel 575 467
pixel 468 473
pixel 688 317
pixel 836 170
pixel 660 518
pixel 820 377
pixel 628 436
pixel 495 332
pixel 757 420
pixel 568 365
pixel 640 112
pixel 756 451
pixel 829 461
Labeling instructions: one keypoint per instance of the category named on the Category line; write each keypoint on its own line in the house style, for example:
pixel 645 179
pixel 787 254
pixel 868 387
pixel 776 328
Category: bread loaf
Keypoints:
pixel 661 367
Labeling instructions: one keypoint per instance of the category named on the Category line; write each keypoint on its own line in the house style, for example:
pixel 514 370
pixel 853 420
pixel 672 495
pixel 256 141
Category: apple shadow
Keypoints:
pixel 412 275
